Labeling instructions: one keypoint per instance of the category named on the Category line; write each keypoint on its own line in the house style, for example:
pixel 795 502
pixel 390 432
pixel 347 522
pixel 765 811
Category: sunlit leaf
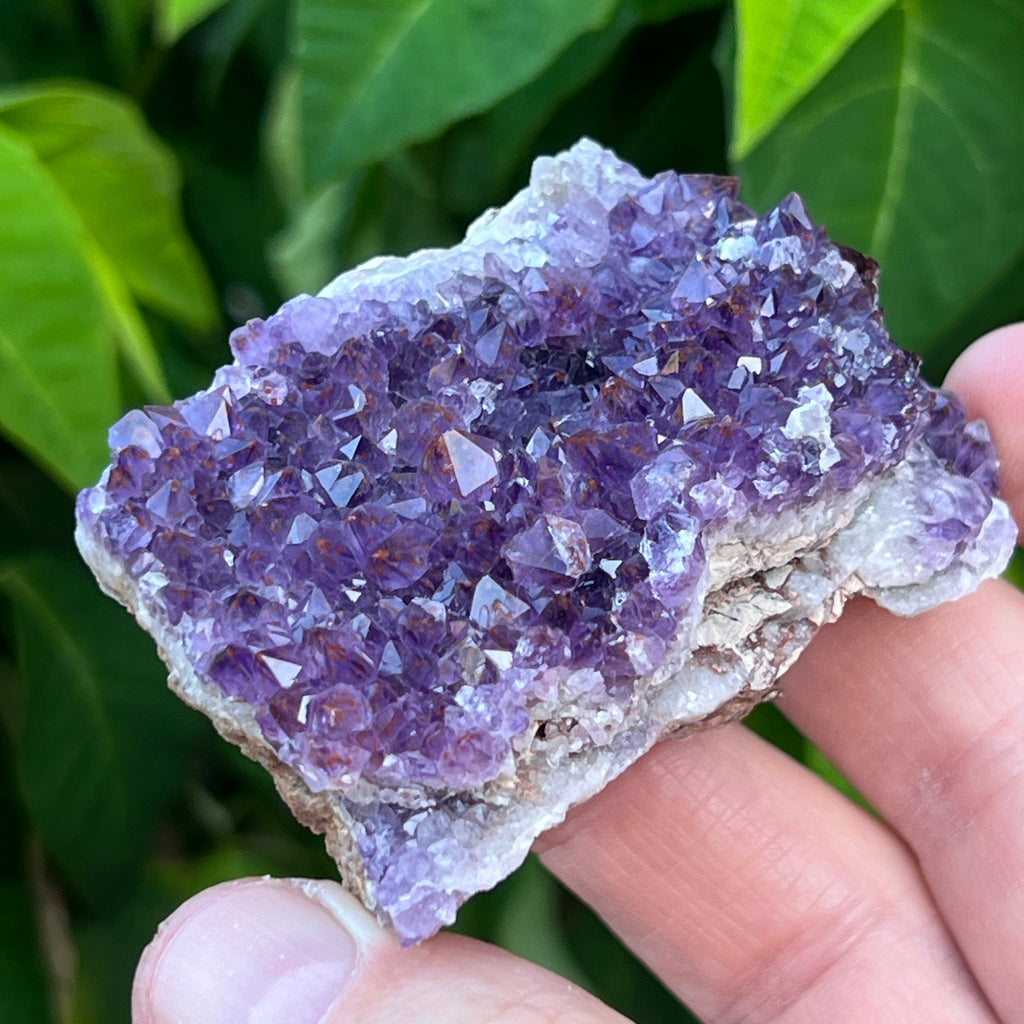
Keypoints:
pixel 58 382
pixel 783 49
pixel 124 183
pixel 133 335
pixel 377 75
pixel 911 151
pixel 175 17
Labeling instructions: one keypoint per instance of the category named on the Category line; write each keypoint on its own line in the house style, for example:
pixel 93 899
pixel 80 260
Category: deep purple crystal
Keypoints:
pixel 657 388
pixel 406 500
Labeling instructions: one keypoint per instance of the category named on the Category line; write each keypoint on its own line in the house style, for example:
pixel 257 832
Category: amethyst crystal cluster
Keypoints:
pixel 451 544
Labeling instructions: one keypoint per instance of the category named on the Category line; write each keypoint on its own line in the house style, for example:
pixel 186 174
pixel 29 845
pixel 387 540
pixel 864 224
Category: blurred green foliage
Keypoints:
pixel 169 168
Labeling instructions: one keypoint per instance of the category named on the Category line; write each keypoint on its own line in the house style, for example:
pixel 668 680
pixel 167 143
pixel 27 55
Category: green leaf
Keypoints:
pixel 822 766
pixel 259 27
pixel 1015 570
pixel 175 17
pixel 108 945
pixel 1001 302
pixel 499 143
pixel 397 209
pixel 23 983
pixel 281 139
pixel 124 184
pixel 135 342
pixel 530 927
pixel 123 187
pixel 94 148
pixel 99 741
pixel 58 382
pixel 614 974
pixel 911 151
pixel 772 725
pixel 34 512
pixel 656 11
pixel 23 995
pixel 122 22
pixel 305 255
pixel 377 75
pixel 783 49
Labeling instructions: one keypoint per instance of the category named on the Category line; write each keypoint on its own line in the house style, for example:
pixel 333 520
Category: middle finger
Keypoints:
pixel 758 893
pixel 931 730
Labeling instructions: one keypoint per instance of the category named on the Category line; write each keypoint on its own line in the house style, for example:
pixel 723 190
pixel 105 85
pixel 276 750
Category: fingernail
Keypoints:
pixel 257 951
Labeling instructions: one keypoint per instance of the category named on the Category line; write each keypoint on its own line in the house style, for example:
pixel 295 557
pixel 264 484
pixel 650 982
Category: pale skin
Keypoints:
pixel 755 891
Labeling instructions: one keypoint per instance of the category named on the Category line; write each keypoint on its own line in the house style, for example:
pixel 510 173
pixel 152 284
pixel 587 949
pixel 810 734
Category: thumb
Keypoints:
pixel 264 951
pixel 254 950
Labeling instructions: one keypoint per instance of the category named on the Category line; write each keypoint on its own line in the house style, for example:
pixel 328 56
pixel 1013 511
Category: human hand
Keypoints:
pixel 755 891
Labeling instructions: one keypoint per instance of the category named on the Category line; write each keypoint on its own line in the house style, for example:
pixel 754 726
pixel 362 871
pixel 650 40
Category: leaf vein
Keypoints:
pixel 899 147
pixel 41 393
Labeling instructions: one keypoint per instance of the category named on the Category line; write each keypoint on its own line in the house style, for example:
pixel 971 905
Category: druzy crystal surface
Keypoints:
pixel 452 543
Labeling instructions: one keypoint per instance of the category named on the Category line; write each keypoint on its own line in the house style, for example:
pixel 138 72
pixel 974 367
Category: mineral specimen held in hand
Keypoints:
pixel 451 544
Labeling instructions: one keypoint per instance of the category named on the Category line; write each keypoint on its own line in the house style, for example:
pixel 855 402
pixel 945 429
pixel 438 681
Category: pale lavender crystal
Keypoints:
pixel 426 509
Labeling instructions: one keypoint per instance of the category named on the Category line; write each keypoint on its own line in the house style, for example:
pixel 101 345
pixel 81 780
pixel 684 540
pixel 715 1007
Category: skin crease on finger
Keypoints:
pixel 759 894
pixel 455 980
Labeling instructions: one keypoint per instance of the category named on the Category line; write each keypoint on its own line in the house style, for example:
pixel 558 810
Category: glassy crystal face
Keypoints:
pixel 417 504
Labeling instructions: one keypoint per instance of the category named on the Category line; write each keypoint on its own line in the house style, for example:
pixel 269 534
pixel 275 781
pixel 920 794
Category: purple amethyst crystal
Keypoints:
pixel 451 544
